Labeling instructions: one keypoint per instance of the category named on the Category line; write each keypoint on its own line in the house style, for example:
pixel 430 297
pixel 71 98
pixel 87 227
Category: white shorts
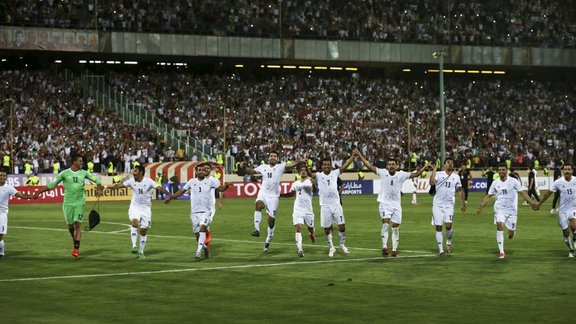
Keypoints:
pixel 271 204
pixel 199 219
pixel 392 213
pixel 564 218
pixel 331 215
pixel 143 215
pixel 307 219
pixel 442 215
pixel 508 218
pixel 3 223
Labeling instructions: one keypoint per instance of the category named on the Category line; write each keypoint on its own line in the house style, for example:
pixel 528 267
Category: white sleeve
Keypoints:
pixel 260 168
pixel 128 183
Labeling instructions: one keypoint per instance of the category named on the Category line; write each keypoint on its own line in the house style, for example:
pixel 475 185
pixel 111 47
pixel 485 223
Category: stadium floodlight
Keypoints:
pixel 440 56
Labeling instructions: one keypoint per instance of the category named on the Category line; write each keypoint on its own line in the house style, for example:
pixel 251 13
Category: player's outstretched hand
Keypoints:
pixel 535 206
pixel 36 195
pixel 478 211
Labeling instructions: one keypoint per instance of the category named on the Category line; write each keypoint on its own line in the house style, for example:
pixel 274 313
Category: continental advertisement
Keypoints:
pixel 108 194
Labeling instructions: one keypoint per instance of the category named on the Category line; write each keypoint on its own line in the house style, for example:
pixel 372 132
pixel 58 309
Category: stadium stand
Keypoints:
pixel 542 23
pixel 52 120
pixel 305 116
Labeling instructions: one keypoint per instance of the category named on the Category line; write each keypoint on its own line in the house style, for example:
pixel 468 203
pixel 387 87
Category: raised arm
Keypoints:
pixel 347 163
pixel 293 164
pixel 433 175
pixel 418 172
pixel 363 159
pixel 248 168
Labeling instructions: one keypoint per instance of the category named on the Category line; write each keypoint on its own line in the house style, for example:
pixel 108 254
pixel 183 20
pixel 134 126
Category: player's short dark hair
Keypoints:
pixel 75 157
pixel 502 165
pixel 392 159
pixel 448 159
pixel 140 168
pixel 273 152
pixel 568 164
pixel 326 159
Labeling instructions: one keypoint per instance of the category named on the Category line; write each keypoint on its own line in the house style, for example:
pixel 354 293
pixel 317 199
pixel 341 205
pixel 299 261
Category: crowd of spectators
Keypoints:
pixel 542 23
pixel 52 120
pixel 309 116
pixel 301 115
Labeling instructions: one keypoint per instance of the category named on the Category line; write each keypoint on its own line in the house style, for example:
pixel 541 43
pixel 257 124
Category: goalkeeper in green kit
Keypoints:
pixel 73 180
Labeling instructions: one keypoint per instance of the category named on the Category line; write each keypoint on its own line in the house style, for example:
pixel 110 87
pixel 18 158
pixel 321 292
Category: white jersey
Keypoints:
pixel 142 192
pixel 446 186
pixel 328 188
pixel 303 202
pixel 5 192
pixel 567 191
pixel 200 192
pixel 391 186
pixel 506 193
pixel 271 176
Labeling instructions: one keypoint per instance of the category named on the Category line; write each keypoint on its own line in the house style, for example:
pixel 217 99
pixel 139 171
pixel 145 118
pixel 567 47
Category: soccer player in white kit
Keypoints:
pixel 140 211
pixel 389 197
pixel 269 193
pixel 6 191
pixel 215 193
pixel 200 205
pixel 331 211
pixel 506 190
pixel 303 212
pixel 566 186
pixel 447 183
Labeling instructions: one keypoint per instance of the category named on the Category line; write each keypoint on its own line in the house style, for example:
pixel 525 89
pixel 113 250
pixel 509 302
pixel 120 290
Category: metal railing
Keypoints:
pixel 96 87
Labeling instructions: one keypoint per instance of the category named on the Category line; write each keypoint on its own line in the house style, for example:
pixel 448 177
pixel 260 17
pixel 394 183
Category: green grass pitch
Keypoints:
pixel 40 282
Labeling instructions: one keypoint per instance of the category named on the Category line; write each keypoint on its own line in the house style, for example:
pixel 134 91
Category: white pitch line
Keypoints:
pixel 215 240
pixel 244 266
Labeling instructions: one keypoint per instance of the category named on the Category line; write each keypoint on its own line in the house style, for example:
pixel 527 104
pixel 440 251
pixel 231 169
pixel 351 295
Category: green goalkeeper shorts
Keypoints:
pixel 73 214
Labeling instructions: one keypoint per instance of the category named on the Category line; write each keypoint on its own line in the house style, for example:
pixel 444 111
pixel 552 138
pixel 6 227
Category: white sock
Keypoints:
pixel 500 240
pixel 257 219
pixel 143 240
pixel 342 238
pixel 298 237
pixel 134 235
pixel 384 233
pixel 201 240
pixel 414 198
pixel 2 247
pixel 329 240
pixel 440 241
pixel 449 236
pixel 270 234
pixel 395 238
pixel 568 242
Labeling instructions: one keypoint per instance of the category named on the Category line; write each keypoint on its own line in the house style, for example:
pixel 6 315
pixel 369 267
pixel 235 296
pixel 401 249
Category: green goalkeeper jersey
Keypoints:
pixel 73 181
